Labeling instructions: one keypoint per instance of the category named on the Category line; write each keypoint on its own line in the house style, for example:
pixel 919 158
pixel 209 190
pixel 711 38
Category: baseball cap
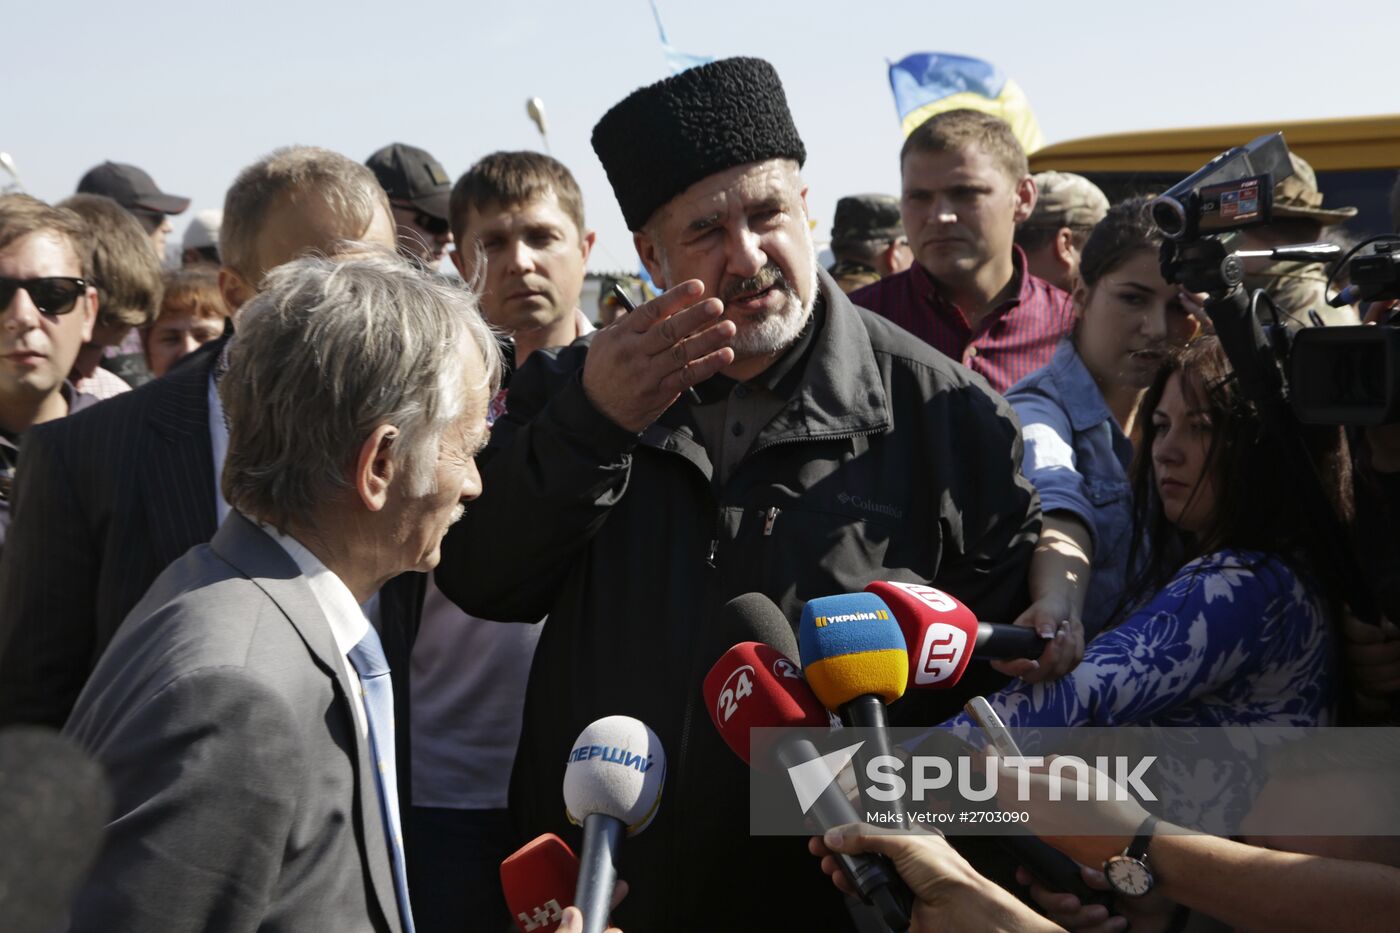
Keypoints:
pixel 1066 200
pixel 866 217
pixel 1297 197
pixel 130 187
pixel 407 173
pixel 203 230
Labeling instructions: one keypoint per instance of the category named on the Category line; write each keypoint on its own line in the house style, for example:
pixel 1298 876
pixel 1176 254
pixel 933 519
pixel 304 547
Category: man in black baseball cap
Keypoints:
pixel 419 191
pixel 136 191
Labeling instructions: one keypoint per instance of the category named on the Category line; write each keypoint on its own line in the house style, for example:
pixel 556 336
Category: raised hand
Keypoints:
pixel 641 363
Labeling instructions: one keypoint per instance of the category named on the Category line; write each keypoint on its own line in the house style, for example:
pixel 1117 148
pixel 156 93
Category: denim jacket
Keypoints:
pixel 1077 457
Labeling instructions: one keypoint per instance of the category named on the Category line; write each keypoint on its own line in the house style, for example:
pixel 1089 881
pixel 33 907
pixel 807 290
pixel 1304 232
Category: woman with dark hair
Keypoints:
pixel 1227 626
pixel 1078 417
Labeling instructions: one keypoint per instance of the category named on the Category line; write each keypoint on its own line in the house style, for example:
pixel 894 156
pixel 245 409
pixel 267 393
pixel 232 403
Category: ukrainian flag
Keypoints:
pixel 927 83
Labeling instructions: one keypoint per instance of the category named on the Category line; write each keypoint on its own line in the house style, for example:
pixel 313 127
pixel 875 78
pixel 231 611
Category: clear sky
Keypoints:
pixel 193 91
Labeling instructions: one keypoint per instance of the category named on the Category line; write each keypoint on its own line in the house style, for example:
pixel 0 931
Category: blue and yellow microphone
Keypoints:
pixel 854 655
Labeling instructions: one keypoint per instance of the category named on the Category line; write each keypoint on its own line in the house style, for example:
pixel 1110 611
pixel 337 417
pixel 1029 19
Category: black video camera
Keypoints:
pixel 1230 192
pixel 1351 375
pixel 1334 375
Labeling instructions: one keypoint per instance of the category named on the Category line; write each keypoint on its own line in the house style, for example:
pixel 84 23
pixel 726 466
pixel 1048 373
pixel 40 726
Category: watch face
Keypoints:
pixel 1128 876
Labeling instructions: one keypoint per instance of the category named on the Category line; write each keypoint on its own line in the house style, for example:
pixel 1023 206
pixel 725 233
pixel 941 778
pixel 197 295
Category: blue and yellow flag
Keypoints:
pixel 927 83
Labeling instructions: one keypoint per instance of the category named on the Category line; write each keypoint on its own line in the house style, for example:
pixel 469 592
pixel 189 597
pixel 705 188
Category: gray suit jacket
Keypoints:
pixel 245 797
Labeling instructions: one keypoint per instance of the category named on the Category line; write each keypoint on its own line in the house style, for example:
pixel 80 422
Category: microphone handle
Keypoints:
pixel 1052 868
pixel 870 873
pixel 868 712
pixel 1006 642
pixel 597 869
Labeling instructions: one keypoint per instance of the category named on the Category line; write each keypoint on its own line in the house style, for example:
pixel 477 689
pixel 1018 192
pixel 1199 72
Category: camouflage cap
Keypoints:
pixel 1297 197
pixel 867 217
pixel 1066 200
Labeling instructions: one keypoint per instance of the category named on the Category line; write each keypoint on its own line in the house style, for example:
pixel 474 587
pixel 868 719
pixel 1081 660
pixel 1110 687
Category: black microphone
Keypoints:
pixel 54 807
pixel 996 642
pixel 1349 295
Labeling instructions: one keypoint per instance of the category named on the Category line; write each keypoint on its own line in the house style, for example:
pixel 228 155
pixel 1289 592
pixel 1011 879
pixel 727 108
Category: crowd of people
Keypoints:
pixel 257 509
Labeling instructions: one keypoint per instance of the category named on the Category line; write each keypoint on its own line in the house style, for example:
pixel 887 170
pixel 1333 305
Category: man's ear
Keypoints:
pixel 1064 247
pixel 234 289
pixel 651 258
pixel 1025 198
pixel 885 262
pixel 375 468
pixel 89 313
pixel 586 244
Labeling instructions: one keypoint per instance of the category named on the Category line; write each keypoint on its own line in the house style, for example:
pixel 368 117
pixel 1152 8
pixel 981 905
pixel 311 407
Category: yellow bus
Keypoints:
pixel 1355 158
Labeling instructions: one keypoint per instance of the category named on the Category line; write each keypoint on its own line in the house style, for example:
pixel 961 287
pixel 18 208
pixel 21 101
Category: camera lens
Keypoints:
pixel 1170 217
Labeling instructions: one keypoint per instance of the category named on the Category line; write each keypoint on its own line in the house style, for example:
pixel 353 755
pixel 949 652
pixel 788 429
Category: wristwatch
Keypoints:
pixel 1128 873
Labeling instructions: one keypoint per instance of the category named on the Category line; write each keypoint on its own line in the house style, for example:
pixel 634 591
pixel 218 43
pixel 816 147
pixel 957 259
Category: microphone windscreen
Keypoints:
pixel 755 617
pixel 755 686
pixel 852 646
pixel 539 880
pixel 616 768
pixel 939 631
pixel 54 806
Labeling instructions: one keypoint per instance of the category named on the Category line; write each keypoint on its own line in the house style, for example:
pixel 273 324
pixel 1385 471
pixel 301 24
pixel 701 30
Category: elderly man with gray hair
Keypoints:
pixel 243 712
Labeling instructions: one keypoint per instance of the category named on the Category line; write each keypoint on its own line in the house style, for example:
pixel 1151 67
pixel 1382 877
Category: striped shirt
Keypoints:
pixel 1015 339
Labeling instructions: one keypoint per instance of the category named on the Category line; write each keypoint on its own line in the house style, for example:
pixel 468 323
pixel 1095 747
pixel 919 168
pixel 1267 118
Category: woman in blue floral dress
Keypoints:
pixel 1233 629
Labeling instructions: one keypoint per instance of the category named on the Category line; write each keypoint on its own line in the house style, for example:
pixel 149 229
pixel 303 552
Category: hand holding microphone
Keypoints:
pixel 612 788
pixel 943 635
pixel 949 893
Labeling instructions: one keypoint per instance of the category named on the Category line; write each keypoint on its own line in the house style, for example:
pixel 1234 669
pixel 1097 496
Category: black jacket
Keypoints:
pixel 890 461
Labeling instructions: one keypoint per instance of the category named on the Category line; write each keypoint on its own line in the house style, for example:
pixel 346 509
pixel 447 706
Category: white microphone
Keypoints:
pixel 612 787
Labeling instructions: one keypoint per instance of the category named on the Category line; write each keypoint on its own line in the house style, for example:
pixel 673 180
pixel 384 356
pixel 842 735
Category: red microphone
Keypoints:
pixel 943 635
pixel 754 686
pixel 539 880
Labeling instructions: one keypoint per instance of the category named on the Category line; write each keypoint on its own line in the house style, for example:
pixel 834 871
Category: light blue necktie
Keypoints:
pixel 378 691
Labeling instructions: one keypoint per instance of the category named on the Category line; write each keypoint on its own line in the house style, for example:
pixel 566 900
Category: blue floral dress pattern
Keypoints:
pixel 1236 638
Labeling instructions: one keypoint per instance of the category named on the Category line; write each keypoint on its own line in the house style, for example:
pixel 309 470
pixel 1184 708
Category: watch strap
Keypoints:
pixel 1143 838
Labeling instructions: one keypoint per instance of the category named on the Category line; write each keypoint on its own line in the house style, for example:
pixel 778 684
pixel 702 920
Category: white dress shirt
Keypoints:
pixel 348 621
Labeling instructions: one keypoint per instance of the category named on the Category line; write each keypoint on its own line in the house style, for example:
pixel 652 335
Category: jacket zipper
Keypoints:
pixel 770 520
pixel 688 715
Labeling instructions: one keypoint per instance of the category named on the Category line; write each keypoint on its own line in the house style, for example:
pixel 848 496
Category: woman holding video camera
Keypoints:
pixel 1079 416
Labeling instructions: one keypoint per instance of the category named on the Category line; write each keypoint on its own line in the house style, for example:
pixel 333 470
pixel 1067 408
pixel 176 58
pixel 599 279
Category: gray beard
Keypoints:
pixel 775 332
pixel 780 329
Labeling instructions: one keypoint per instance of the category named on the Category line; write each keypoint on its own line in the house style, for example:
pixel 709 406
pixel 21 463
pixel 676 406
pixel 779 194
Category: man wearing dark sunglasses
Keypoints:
pixel 47 310
pixel 419 191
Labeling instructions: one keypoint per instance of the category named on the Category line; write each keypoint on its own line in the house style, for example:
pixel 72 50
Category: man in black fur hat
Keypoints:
pixel 747 431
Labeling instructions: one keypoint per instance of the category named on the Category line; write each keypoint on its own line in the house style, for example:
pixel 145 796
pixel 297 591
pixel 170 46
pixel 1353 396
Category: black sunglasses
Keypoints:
pixel 54 294
pixel 434 225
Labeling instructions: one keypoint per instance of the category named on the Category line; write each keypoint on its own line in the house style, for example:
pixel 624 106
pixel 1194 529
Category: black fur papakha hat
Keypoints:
pixel 663 138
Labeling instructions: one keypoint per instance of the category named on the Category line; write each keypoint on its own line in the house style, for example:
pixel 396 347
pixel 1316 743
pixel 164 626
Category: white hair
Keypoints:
pixel 326 353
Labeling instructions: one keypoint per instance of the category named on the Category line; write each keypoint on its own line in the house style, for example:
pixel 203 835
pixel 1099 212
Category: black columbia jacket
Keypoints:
pixel 890 461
